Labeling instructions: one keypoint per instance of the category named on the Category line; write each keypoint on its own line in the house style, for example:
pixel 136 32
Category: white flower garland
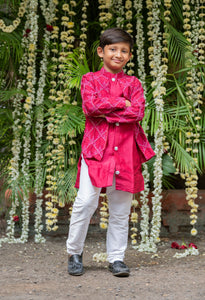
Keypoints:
pixel 159 73
pixel 105 14
pixel 32 17
pixel 61 95
pixel 189 251
pixel 128 18
pixel 119 10
pixel 49 15
pixel 194 32
pixel 16 145
pixel 83 36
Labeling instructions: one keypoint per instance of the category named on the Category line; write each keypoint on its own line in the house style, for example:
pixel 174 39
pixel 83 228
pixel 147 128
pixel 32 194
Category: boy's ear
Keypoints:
pixel 100 52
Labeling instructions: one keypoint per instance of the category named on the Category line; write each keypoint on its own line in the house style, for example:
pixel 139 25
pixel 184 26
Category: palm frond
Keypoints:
pixel 76 68
pixel 6 95
pixel 74 119
pixel 182 159
pixel 65 186
pixel 177 45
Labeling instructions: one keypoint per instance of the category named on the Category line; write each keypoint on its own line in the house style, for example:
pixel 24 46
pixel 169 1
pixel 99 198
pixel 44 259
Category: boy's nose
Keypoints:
pixel 118 53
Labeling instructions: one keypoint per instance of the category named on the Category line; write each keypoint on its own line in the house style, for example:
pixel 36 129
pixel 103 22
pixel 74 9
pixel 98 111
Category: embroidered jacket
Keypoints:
pixel 97 101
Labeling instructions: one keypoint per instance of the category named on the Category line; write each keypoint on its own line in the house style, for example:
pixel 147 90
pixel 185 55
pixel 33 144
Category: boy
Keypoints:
pixel 113 148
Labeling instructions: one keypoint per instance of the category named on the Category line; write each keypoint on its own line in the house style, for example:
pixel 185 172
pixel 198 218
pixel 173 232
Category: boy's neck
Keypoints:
pixel 112 71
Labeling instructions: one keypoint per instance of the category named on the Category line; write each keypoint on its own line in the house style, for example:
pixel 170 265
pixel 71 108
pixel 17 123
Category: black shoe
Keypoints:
pixel 75 265
pixel 118 268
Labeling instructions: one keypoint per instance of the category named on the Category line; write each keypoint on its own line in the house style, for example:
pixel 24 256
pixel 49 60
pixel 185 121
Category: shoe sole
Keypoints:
pixel 121 274
pixel 76 274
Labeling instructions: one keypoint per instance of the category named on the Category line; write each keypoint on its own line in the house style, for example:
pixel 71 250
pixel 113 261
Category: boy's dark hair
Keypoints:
pixel 115 35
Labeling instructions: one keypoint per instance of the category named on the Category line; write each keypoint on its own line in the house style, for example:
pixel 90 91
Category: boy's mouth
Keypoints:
pixel 117 61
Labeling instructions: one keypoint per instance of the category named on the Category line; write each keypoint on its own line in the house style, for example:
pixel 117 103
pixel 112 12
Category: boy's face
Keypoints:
pixel 115 56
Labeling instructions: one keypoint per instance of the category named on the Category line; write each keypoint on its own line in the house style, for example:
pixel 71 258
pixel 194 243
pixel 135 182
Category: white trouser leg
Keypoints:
pixel 117 234
pixel 84 207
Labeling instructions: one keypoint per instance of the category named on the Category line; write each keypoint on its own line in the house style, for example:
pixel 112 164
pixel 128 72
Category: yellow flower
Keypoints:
pixel 103 225
pixel 48 195
pixel 27 106
pixel 31 47
pixel 55 210
pixel 134 229
pixel 65 7
pixel 134 203
pixel 193 232
pixel 103 208
pixel 133 235
pixel 55 228
pixel 104 214
pixel 28 100
pixel 49 222
pixel 134 242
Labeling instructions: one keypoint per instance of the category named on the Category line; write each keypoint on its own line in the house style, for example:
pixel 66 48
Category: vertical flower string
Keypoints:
pixel 158 71
pixel 134 220
pixel 144 224
pixel 83 36
pixel 105 15
pixel 128 16
pixel 119 11
pixel 49 15
pixel 60 96
pixel 32 19
pixel 15 173
pixel 194 87
pixel 104 212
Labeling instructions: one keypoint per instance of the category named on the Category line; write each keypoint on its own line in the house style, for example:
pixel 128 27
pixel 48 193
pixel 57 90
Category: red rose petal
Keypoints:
pixel 192 245
pixel 175 245
pixel 183 247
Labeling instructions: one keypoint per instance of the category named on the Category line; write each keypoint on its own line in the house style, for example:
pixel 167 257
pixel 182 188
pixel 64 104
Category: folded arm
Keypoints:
pixel 134 112
pixel 99 103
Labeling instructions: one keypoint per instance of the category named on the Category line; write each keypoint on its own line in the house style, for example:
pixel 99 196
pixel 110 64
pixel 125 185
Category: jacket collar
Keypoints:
pixel 111 75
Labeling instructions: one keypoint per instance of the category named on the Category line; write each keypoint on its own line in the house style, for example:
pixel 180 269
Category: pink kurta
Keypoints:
pixel 115 143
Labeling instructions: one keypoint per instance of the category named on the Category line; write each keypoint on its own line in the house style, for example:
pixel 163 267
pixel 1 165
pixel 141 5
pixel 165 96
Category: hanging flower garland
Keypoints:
pixel 140 39
pixel 17 21
pixel 119 11
pixel 105 15
pixel 158 94
pixel 128 17
pixel 32 17
pixel 14 168
pixel 83 23
pixel 27 68
pixel 144 224
pixel 49 15
pixel 104 212
pixel 56 148
pixel 134 220
pixel 158 72
pixel 194 89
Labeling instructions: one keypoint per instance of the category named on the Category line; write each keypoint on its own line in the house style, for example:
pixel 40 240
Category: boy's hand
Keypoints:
pixel 128 103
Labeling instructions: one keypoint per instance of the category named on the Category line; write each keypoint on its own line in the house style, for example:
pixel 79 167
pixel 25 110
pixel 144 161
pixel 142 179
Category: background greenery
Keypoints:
pixel 176 111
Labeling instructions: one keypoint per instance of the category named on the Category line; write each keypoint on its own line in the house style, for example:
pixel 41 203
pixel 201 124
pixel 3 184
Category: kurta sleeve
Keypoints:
pixel 96 102
pixel 135 112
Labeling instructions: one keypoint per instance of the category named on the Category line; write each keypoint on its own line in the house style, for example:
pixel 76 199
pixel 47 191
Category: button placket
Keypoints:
pixel 116 148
